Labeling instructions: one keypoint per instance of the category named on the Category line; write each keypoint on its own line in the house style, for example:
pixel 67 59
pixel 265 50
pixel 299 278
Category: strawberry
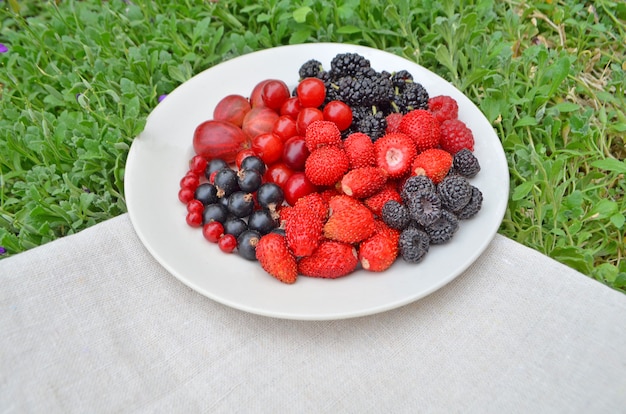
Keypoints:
pixel 314 202
pixel 326 165
pixel 378 252
pixel 304 225
pixel 332 259
pixel 360 150
pixel 378 200
pixel 393 122
pixel 455 136
pixel 395 153
pixel 363 182
pixel 433 163
pixel 350 221
pixel 422 127
pixel 276 258
pixel 321 133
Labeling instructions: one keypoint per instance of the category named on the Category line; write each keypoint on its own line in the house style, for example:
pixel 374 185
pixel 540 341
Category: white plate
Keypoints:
pixel 159 157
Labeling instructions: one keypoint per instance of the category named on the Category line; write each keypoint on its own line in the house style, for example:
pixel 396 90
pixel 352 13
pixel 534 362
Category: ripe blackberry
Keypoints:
pixel 443 228
pixel 348 64
pixel 424 207
pixel 310 69
pixel 401 78
pixel 413 244
pixel 395 215
pixel 416 184
pixel 365 90
pixel 368 121
pixel 473 206
pixel 465 163
pixel 455 192
pixel 411 96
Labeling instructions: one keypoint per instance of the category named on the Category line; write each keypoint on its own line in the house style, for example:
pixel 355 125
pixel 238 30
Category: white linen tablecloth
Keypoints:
pixel 92 323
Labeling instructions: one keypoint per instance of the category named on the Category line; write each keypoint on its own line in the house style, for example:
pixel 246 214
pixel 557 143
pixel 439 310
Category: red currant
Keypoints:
pixel 297 186
pixel 295 153
pixel 311 92
pixel 185 195
pixel 195 206
pixel 212 231
pixel 194 219
pixel 198 164
pixel 306 116
pixel 269 147
pixel 275 93
pixel 227 243
pixel 285 127
pixel 190 181
pixel 278 173
pixel 339 113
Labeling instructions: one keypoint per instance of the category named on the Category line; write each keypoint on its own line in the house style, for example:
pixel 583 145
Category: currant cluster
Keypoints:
pixel 233 206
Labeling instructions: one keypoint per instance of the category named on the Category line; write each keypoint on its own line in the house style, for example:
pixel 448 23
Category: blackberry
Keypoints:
pixel 395 215
pixel 310 69
pixel 366 90
pixel 416 184
pixel 465 163
pixel 442 229
pixel 400 78
pixel 424 207
pixel 474 205
pixel 411 96
pixel 368 121
pixel 413 244
pixel 348 64
pixel 455 192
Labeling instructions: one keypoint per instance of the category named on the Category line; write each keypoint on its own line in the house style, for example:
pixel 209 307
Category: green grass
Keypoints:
pixel 80 77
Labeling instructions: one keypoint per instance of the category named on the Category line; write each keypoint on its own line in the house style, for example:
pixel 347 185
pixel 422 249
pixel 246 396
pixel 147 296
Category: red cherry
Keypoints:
pixel 339 113
pixel 194 219
pixel 285 127
pixel 275 93
pixel 295 153
pixel 311 92
pixel 227 243
pixel 297 186
pixel 268 147
pixel 278 173
pixel 291 107
pixel 306 116
pixel 212 231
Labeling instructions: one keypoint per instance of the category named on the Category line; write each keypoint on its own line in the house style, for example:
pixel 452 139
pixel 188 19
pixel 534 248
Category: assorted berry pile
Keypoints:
pixel 351 169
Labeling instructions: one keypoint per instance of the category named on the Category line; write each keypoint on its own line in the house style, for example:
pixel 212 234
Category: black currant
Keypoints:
pixel 249 180
pixel 270 196
pixel 207 193
pixel 214 212
pixel 252 162
pixel 246 244
pixel 234 226
pixel 214 165
pixel 262 221
pixel 240 204
pixel 226 182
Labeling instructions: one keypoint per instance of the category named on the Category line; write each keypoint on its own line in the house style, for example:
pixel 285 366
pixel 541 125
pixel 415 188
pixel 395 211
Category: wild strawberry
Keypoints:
pixel 360 150
pixel 395 153
pixel 350 221
pixel 422 127
pixel 378 200
pixel 433 163
pixel 276 258
pixel 378 252
pixel 321 133
pixel 330 193
pixel 331 260
pixel 304 226
pixel 326 165
pixel 393 122
pixel 363 182
pixel 455 136
pixel 314 202
pixel 443 107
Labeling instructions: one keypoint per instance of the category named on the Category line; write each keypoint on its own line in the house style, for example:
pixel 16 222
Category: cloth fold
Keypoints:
pixel 92 323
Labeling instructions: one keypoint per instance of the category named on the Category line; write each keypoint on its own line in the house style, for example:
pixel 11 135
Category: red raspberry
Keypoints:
pixel 455 136
pixel 443 107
